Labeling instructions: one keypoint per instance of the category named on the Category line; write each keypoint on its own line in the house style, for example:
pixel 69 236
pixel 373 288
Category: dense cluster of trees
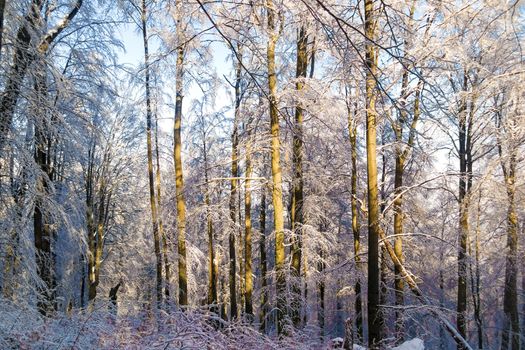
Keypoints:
pixel 351 167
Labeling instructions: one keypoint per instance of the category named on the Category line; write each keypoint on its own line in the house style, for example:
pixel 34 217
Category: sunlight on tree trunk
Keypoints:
pixel 177 155
pixel 374 318
pixel 277 187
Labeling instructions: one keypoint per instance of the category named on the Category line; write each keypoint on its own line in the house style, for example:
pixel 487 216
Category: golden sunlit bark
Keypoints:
pixel 277 188
pixel 177 155
pixel 374 319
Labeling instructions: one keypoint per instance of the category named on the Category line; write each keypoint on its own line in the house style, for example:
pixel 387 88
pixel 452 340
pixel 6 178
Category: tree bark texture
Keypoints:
pixel 374 318
pixel 277 188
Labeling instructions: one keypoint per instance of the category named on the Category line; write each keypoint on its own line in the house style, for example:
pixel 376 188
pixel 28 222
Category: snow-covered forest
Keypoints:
pixel 262 174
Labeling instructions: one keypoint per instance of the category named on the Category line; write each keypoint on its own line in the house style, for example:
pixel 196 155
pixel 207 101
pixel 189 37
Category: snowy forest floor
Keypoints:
pixel 24 328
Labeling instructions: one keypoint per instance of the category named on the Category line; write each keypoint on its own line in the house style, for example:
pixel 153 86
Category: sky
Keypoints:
pixel 133 55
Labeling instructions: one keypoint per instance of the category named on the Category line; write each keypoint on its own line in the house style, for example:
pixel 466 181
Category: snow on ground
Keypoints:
pixel 414 344
pixel 23 328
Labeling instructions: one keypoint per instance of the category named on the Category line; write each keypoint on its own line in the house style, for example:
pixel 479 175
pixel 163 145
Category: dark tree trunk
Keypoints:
pixel 510 338
pixel 463 219
pixel 297 215
pixel 263 261
pixel 113 297
pixel 151 178
pixel 321 294
pixel 212 268
pixel 166 242
pixel 352 132
pixel 234 184
pixel 43 233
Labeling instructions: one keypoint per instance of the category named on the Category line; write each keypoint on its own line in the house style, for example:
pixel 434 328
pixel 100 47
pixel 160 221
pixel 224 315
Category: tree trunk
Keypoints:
pixel 248 232
pixel 222 287
pixel 234 184
pixel 522 345
pixel 463 220
pixel 99 243
pixel 212 286
pixel 113 297
pixel 90 222
pixel 297 216
pixel 212 270
pixel 321 294
pixel 398 241
pixel 263 261
pixel 401 154
pixel 383 266
pixel 151 179
pixel 358 303
pixel 475 278
pixel 277 189
pixel 82 282
pixel 348 343
pixel 95 223
pixel 304 258
pixel 510 338
pixel 374 317
pixel 441 278
pixel 321 285
pixel 43 233
pixel 177 155
pixel 162 233
pixel 241 295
